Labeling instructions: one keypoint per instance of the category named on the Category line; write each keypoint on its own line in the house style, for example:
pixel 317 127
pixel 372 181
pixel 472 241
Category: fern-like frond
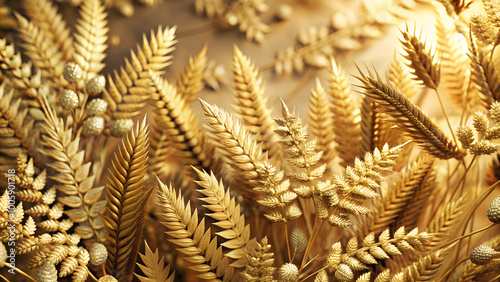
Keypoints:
pixel 44 15
pixel 425 268
pixel 227 215
pixel 321 122
pixel 176 126
pixel 127 200
pixel 154 267
pixel 445 224
pixel 239 148
pixel 251 104
pixel 39 48
pixel 192 239
pixel 346 115
pixel 190 83
pixel 126 94
pixel 77 185
pixel 410 118
pixel 399 195
pixel 260 261
pixel 90 38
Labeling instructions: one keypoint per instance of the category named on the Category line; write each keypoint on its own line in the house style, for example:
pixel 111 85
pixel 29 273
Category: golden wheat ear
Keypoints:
pixel 127 200
pixel 228 216
pixel 190 236
pixel 190 83
pixel 410 117
pixel 251 104
pixel 239 148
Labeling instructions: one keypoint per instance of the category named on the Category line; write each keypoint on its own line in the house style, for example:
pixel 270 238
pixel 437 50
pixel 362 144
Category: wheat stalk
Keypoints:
pixel 410 118
pixel 126 199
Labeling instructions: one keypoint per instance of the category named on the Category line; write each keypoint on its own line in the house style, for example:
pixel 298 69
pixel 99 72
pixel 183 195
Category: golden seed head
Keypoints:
pixel 47 272
pixel 96 85
pixel 344 273
pixel 480 122
pixel 288 272
pixel 495 111
pixel 494 210
pixel 121 127
pixel 482 254
pixel 68 99
pixel 96 107
pixel 72 72
pixel 93 126
pixel 292 211
pixel 465 136
pixel 107 278
pixel 98 254
pixel 3 254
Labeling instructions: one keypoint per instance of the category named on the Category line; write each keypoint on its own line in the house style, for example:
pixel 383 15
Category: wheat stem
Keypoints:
pixel 18 271
pixel 469 234
pixel 287 244
pixel 446 117
pixel 451 269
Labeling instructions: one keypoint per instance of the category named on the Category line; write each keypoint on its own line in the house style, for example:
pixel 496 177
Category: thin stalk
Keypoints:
pixel 287 244
pixel 17 270
pixel 451 270
pixel 469 234
pixel 312 274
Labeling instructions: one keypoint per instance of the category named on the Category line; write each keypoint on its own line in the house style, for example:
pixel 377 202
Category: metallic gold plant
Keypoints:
pixel 370 191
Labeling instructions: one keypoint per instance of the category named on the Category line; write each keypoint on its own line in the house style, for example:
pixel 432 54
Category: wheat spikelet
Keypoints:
pixel 369 125
pixel 134 78
pixel 236 144
pixel 44 15
pixel 251 104
pixel 484 75
pixel 359 184
pixel 18 135
pixel 39 48
pixel 90 38
pixel 454 62
pixel 126 200
pixel 176 126
pixel 421 61
pixel 259 262
pixel 443 224
pixel 346 116
pixel 410 118
pixel 154 268
pixel 18 72
pixel 190 83
pixel 191 237
pixel 399 78
pixel 399 195
pixel 357 258
pixel 73 175
pixel 228 217
pixel 321 121
pixel 425 268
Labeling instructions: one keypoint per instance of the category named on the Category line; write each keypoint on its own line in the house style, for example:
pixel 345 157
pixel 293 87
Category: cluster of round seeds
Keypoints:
pixel 288 272
pixel 98 254
pixel 96 85
pixel 120 127
pixel 68 99
pixel 72 72
pixel 494 210
pixel 96 107
pixel 483 254
pixel 93 125
pixel 47 272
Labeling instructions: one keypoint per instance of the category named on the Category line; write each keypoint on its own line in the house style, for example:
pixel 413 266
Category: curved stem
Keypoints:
pixel 468 235
pixel 92 275
pixel 17 270
pixel 451 270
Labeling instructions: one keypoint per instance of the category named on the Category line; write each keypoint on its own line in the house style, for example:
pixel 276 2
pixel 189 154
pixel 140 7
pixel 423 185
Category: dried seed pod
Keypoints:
pixel 96 107
pixel 72 72
pixel 482 254
pixel 98 254
pixel 93 125
pixel 288 272
pixel 47 272
pixel 493 210
pixel 121 127
pixel 68 99
pixel 96 85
